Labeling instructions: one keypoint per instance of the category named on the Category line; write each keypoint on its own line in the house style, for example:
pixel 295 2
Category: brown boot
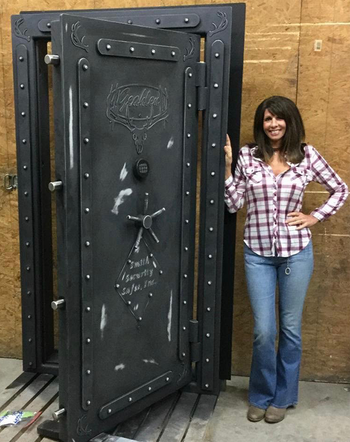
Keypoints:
pixel 255 414
pixel 274 415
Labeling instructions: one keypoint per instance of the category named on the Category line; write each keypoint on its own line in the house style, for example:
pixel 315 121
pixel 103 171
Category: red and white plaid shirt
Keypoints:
pixel 270 198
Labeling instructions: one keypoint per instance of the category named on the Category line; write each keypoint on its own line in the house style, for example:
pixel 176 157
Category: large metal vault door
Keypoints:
pixel 127 101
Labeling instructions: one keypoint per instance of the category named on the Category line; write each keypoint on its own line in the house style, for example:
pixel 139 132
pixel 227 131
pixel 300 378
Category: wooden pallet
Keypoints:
pixel 181 417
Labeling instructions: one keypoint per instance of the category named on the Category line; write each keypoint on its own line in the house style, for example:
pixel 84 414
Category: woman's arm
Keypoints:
pixel 234 185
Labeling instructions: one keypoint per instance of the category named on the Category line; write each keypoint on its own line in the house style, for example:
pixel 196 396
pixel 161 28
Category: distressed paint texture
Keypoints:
pixel 279 59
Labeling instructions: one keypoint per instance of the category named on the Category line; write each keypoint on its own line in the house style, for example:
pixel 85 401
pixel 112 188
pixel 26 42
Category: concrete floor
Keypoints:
pixel 322 415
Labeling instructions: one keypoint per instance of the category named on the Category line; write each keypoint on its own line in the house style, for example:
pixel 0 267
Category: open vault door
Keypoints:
pixel 126 140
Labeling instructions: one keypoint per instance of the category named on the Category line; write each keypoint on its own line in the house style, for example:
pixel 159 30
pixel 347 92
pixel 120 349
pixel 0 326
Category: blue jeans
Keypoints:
pixel 274 377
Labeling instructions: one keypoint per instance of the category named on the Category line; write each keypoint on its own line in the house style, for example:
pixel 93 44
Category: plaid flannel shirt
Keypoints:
pixel 270 198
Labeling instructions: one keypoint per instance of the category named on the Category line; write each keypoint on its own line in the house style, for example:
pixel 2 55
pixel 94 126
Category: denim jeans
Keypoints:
pixel 274 377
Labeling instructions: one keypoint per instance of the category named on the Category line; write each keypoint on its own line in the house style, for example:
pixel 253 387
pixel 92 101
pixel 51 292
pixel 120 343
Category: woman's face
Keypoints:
pixel 274 128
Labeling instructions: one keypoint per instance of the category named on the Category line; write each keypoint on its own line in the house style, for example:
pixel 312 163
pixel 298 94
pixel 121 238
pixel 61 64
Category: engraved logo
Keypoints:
pixel 138 108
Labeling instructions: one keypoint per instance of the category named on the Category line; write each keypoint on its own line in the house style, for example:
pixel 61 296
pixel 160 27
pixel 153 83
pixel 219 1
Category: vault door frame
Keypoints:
pixel 222 26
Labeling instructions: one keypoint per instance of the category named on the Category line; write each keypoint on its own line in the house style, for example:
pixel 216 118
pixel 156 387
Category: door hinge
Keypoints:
pixel 195 345
pixel 202 89
pixel 10 182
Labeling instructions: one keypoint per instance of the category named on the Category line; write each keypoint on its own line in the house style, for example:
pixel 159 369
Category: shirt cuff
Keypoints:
pixel 229 181
pixel 318 216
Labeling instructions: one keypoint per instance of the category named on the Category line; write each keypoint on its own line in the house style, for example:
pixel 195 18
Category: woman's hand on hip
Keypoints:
pixel 300 220
pixel 228 158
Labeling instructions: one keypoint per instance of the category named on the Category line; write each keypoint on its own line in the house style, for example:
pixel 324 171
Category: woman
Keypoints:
pixel 271 176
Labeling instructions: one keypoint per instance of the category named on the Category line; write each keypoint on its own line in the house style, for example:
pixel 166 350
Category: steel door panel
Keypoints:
pixel 130 279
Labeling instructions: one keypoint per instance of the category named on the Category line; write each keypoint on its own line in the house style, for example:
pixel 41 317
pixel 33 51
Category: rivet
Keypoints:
pixel 21 58
pixel 167 379
pixel 86 105
pixel 109 411
pixel 29 292
pixel 129 261
pixel 88 309
pixel 184 302
pixel 211 229
pixel 86 210
pixel 30 364
pixel 212 201
pixel 187 221
pixel 215 115
pixel 88 372
pixel 216 85
pixel 185 275
pixel 21 86
pixel 151 255
pixel 129 302
pixel 186 20
pixel 87 277
pixel 139 318
pixel 158 21
pixel 129 22
pixel 161 272
pixel 48 25
pixel 86 140
pixel 206 385
pixel 207 360
pixel 30 340
pixel 88 340
pixel 183 355
pixel 188 164
pixel 173 53
pixel 217 55
pixel 87 243
pixel 130 399
pixel 108 47
pixel 85 67
pixel 187 193
pixel 149 388
pixel 88 402
pixel 190 74
pixel 27 244
pixel 208 309
pixel 26 219
pixel 86 175
pixel 153 51
pixel 150 295
pixel 25 167
pixel 213 145
pixel 26 193
pixel 28 269
pixel 208 335
pixel 189 105
pixel 210 256
pixel 24 141
pixel 184 328
pixel 117 286
pixel 212 174
pixel 209 282
pixel 188 135
pixel 186 249
pixel 29 316
pixel 23 114
pixel 131 49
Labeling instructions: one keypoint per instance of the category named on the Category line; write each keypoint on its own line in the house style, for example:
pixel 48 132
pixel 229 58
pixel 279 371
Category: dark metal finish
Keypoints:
pixel 49 429
pixel 85 231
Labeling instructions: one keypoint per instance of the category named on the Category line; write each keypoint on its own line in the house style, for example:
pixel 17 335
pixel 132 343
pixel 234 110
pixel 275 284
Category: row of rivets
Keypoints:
pixel 85 163
pixel 215 99
pixel 24 156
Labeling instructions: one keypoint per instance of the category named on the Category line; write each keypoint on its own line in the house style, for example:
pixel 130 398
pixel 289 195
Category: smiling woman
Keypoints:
pixel 271 176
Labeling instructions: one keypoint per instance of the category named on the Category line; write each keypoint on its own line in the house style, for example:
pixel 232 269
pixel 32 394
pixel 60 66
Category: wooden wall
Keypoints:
pixel 279 60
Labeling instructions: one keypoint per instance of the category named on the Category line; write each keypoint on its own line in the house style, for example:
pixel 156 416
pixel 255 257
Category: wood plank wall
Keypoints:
pixel 279 60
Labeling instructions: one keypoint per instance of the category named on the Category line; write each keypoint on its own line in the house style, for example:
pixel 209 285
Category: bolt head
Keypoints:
pixel 132 49
pixel 108 47
pixel 85 67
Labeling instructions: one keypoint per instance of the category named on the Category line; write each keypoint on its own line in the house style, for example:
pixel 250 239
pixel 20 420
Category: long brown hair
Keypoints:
pixel 291 143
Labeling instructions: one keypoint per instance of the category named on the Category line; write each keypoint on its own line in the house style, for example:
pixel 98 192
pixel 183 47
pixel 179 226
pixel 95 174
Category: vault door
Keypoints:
pixel 126 124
